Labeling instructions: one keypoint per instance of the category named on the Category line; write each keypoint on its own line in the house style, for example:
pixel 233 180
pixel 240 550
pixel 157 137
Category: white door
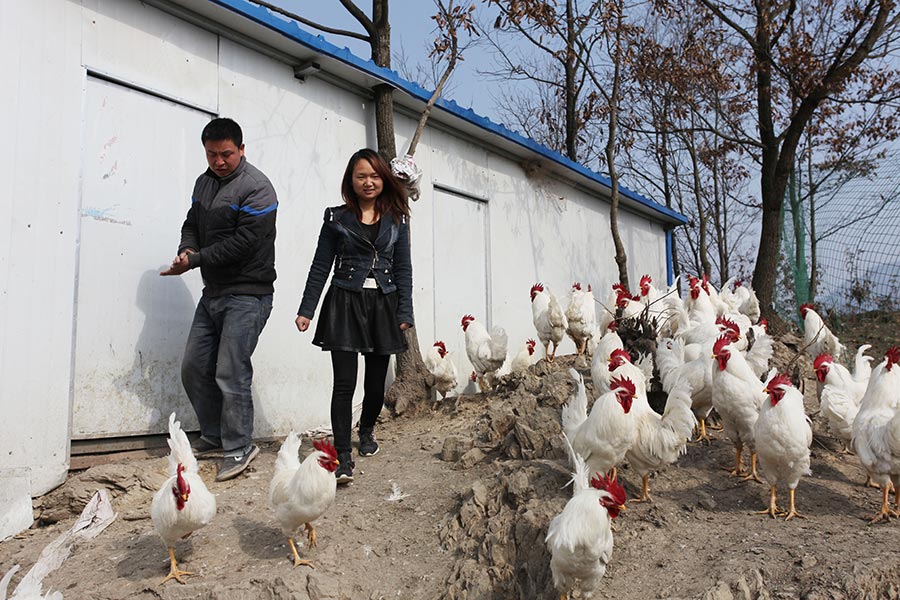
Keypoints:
pixel 461 271
pixel 141 156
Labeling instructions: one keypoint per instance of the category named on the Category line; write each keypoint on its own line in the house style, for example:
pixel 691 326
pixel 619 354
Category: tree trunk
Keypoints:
pixel 621 257
pixel 701 209
pixel 410 388
pixel 571 96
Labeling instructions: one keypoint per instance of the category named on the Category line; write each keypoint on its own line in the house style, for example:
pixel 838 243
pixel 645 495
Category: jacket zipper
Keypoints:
pixel 366 240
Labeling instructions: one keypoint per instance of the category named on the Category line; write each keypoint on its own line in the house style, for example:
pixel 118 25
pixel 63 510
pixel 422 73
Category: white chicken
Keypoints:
pixel 737 396
pixel 842 392
pixel 522 360
pixel 580 538
pixel 441 368
pixel 660 440
pixel 549 319
pixel 299 492
pixel 183 504
pixel 486 351
pixel 581 317
pixel 604 436
pixel 876 431
pixel 783 436
pixel 817 338
pixel 698 375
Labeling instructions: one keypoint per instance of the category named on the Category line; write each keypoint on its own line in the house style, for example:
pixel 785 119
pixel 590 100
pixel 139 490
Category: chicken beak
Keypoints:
pixel 183 497
pixel 622 508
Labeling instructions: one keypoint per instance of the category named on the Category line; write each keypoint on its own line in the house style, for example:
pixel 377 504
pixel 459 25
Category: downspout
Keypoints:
pixel 670 270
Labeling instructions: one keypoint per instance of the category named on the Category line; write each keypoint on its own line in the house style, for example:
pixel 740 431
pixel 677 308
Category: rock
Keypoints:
pixel 706 501
pixel 470 459
pixel 454 448
pixel 721 591
pixel 808 561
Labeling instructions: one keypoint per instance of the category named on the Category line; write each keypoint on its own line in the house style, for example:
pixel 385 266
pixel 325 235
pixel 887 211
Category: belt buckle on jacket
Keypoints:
pixel 370 283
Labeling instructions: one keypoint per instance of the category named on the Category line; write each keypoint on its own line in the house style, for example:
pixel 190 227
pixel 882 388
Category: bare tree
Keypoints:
pixel 797 58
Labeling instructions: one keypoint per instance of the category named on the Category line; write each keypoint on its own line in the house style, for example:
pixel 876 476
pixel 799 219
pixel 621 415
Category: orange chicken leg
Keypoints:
pixel 174 573
pixel 297 560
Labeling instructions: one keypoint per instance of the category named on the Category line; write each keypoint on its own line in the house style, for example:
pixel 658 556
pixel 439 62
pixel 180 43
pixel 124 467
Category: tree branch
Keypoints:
pixel 313 24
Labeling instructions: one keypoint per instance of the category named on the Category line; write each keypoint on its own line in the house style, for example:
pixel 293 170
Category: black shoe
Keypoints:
pixel 367 444
pixel 344 472
pixel 203 447
pixel 232 466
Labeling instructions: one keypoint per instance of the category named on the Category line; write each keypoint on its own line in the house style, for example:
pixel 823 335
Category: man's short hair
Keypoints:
pixel 222 129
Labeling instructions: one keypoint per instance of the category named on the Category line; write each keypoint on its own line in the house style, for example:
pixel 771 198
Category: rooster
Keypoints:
pixel 183 504
pixel 580 538
pixel 876 431
pixel 486 351
pixel 817 338
pixel 549 319
pixel 783 436
pixel 300 493
pixel 660 440
pixel 441 368
pixel 604 436
pixel 581 317
pixel 842 391
pixel 737 397
pixel 522 360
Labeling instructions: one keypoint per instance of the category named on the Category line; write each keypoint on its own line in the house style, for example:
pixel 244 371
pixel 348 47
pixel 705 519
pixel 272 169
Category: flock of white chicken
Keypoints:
pixel 712 352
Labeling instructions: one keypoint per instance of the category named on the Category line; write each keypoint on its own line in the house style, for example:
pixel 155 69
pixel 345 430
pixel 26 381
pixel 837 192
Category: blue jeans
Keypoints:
pixel 217 373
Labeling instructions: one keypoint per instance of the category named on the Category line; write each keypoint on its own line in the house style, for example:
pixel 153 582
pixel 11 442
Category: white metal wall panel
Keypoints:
pixel 132 324
pixel 39 171
pixel 462 272
pixel 151 49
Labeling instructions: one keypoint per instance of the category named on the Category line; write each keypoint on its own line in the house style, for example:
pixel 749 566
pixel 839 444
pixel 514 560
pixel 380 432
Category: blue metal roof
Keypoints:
pixel 319 44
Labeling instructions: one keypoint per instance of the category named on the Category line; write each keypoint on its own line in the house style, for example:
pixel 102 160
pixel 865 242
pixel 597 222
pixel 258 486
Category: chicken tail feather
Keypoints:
pixel 180 449
pixel 574 412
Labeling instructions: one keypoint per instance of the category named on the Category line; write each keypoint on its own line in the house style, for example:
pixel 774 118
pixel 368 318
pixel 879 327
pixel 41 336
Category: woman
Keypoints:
pixel 369 302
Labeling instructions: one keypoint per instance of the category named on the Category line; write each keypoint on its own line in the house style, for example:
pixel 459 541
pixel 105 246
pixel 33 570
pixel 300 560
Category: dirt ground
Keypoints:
pixel 481 484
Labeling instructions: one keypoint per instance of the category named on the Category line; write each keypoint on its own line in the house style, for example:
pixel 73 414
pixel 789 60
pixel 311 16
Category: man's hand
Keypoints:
pixel 302 323
pixel 404 326
pixel 180 265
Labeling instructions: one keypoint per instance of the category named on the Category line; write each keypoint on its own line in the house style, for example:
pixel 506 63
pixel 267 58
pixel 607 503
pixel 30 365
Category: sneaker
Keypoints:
pixel 203 447
pixel 344 472
pixel 367 444
pixel 232 465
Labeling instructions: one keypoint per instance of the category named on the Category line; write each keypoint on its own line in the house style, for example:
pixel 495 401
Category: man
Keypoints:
pixel 229 233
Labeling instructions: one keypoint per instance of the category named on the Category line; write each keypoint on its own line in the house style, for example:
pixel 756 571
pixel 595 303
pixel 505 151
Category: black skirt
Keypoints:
pixel 363 321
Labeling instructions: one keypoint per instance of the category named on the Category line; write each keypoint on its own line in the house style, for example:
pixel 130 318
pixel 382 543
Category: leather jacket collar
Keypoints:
pixel 348 219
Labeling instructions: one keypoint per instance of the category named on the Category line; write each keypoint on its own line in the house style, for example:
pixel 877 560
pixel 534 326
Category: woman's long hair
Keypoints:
pixel 393 195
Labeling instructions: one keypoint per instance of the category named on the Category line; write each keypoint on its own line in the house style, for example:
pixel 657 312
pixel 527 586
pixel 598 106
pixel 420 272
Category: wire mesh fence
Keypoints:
pixel 854 247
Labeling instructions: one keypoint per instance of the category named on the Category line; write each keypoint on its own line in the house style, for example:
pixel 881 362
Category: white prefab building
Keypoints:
pixel 104 102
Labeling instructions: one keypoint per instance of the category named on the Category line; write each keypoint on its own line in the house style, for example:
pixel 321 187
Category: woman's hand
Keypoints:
pixel 403 326
pixel 302 323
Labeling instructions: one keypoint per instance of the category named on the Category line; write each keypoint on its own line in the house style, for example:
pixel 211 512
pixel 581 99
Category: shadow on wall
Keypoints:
pixel 154 379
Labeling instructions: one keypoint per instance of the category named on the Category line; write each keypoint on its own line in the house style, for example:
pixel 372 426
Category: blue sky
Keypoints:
pixel 412 32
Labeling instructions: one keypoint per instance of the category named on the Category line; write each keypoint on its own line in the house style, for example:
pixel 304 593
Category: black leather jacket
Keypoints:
pixel 344 244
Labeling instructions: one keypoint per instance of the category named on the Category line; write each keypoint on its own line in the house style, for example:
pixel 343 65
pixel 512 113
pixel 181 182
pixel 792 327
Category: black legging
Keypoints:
pixel 344 365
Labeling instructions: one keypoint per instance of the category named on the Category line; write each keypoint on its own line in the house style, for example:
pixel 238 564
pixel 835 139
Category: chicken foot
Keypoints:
pixel 645 490
pixel 174 572
pixel 702 435
pixel 738 470
pixel 885 513
pixel 792 511
pixel 297 560
pixel 773 507
pixel 311 535
pixel 552 354
pixel 753 474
